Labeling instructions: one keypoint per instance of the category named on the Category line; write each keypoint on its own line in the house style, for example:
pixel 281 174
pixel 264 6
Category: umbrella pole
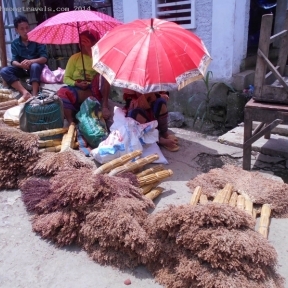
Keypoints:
pixel 80 44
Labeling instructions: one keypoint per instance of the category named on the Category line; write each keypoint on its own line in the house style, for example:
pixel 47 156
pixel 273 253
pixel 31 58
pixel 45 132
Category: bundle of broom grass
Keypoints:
pixel 210 245
pixel 253 185
pixel 18 151
pixel 49 162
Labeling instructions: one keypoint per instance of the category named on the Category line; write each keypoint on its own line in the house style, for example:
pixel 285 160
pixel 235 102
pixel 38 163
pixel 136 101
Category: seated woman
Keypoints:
pixel 151 106
pixel 83 82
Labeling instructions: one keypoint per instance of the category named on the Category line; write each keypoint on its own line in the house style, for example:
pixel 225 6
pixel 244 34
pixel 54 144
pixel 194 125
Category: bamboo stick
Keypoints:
pixel 203 199
pixel 133 165
pixel 154 193
pixel 264 220
pixel 196 196
pixel 147 188
pixel 50 132
pixel 233 199
pixel 155 177
pixel 8 104
pixel 49 143
pixel 117 162
pixel 50 149
pixel 227 193
pixel 217 196
pixel 249 206
pixel 240 202
pixel 154 169
pixel 67 141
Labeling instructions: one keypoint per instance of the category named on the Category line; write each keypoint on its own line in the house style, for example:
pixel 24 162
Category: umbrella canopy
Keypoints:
pixel 150 55
pixel 64 28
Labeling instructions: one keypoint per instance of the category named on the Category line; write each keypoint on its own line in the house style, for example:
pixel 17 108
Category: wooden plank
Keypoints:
pixel 273 70
pixel 282 55
pixel 278 36
pixel 247 135
pixel 264 42
pixel 261 133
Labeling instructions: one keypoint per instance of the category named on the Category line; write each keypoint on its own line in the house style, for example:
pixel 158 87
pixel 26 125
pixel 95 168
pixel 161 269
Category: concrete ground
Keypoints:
pixel 28 261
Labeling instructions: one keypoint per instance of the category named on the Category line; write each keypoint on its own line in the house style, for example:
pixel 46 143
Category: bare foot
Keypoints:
pixel 169 143
pixel 25 97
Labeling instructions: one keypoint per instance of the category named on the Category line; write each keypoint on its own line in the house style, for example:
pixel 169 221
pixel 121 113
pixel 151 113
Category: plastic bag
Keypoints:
pixel 91 123
pixel 126 136
pixel 13 113
pixel 51 77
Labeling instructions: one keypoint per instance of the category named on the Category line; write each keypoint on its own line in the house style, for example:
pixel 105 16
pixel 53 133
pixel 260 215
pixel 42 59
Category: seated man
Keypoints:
pixel 28 59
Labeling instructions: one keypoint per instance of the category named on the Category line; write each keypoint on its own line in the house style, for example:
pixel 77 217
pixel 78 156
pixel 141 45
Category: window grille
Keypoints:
pixel 180 12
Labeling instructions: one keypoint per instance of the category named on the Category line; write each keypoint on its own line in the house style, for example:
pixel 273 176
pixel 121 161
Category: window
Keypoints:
pixel 180 12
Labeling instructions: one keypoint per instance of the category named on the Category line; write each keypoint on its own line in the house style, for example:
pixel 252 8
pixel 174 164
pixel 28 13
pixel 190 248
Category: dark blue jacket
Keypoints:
pixel 21 52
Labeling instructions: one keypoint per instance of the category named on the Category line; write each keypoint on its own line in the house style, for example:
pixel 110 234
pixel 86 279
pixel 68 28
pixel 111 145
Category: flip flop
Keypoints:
pixel 172 149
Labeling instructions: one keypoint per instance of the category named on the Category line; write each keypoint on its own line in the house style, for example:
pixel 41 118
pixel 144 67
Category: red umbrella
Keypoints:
pixel 150 55
pixel 64 28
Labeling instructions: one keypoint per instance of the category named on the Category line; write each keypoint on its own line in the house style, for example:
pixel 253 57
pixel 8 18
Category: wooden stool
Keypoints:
pixel 270 115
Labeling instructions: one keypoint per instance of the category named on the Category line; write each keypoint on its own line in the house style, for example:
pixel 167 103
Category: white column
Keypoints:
pixel 130 10
pixel 229 37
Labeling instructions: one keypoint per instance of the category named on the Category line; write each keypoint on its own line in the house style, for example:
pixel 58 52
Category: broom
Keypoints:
pixel 50 163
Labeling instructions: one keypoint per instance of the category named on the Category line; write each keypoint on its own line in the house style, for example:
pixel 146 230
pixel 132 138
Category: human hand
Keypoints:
pixel 105 112
pixel 164 96
pixel 25 64
pixel 82 84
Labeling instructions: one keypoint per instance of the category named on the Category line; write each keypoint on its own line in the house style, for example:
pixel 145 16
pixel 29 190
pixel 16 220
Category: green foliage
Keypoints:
pixel 206 102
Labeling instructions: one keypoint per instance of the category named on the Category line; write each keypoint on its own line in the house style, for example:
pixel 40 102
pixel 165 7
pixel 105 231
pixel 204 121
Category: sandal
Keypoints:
pixel 172 149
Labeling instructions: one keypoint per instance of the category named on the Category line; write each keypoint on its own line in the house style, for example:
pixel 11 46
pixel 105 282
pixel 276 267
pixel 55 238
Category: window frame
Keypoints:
pixel 191 25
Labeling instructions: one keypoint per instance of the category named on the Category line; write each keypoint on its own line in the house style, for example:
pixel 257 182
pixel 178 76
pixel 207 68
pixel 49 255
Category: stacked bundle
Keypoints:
pixel 211 245
pixel 252 185
pixel 72 197
pixel 18 151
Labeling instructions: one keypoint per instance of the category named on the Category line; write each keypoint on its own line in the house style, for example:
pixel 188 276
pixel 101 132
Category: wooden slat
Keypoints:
pixel 264 42
pixel 273 70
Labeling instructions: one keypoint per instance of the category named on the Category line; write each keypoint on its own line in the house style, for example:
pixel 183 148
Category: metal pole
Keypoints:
pixel 3 54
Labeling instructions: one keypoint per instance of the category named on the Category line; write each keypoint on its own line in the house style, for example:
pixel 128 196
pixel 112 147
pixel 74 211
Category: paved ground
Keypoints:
pixel 28 261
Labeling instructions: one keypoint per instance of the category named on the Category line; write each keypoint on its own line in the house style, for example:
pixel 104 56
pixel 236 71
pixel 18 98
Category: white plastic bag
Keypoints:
pixel 13 113
pixel 126 136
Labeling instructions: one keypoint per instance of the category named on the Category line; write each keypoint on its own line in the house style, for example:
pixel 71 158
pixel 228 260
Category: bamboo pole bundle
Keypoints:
pixel 107 167
pixel 249 206
pixel 233 199
pixel 50 132
pixel 154 193
pixel 196 195
pixel 240 202
pixel 203 199
pixel 155 177
pixel 5 91
pixel 49 143
pixel 134 165
pixel 147 188
pixel 264 220
pixel 154 169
